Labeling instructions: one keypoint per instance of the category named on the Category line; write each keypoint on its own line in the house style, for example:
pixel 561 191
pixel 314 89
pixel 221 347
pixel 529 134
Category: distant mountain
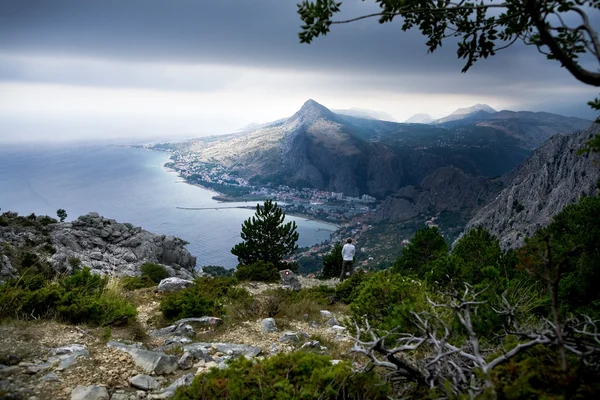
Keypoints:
pixel 462 113
pixel 420 119
pixel 552 177
pixel 368 114
pixel 319 148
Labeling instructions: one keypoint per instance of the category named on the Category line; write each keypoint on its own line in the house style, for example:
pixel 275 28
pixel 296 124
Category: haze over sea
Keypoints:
pixel 128 185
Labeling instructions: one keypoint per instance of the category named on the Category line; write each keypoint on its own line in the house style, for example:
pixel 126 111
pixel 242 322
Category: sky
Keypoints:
pixel 72 69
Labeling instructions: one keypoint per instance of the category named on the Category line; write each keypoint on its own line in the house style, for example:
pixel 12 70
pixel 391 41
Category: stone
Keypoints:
pixel 186 361
pixel 89 393
pixel 290 337
pixel 289 280
pixel 181 329
pixel 202 321
pixel 173 284
pixel 313 344
pixel 326 314
pixel 211 364
pixel 51 377
pixel 332 322
pixel 120 396
pixel 338 329
pixel 236 349
pixel 268 325
pixel 144 382
pixel 274 349
pixel 169 391
pixel 9 371
pixel 149 361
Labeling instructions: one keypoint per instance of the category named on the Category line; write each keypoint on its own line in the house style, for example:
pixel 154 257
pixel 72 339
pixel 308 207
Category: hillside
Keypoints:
pixel 317 148
pixel 551 178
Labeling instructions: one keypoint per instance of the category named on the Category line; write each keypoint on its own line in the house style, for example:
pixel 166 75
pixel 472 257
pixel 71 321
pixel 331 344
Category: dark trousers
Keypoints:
pixel 346 268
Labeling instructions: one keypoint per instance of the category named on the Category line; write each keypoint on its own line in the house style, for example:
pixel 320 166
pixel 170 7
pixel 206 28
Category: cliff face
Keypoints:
pixel 551 178
pixel 118 249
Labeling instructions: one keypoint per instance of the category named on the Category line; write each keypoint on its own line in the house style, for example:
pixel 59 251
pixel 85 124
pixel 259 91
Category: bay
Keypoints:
pixel 129 185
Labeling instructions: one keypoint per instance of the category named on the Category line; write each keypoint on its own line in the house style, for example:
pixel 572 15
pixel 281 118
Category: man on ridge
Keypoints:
pixel 347 259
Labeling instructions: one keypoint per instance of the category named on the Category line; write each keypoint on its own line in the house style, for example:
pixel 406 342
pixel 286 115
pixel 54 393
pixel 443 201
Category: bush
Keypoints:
pixel 347 290
pixel 154 272
pixel 259 271
pixel 80 298
pixel 387 300
pixel 299 375
pixel 215 271
pixel 205 298
pixel 137 282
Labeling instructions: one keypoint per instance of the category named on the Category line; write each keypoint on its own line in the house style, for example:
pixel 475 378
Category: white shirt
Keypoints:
pixel 348 252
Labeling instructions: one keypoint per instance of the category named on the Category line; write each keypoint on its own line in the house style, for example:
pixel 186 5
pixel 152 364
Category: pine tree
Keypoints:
pixel 266 237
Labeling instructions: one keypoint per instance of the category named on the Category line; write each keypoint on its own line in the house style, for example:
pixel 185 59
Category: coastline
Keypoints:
pixel 223 198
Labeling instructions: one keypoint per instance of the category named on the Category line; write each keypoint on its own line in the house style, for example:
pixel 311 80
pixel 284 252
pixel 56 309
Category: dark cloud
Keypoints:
pixel 250 33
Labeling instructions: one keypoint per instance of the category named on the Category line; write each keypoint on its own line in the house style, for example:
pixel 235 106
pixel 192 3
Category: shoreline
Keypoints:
pixel 223 198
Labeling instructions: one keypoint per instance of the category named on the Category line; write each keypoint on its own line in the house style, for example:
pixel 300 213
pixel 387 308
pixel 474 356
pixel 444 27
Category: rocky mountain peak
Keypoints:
pixel 310 112
pixel 461 113
pixel 420 119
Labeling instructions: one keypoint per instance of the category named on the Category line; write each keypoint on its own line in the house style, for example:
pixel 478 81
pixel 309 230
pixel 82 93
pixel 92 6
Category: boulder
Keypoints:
pixel 326 314
pixel 144 382
pixel 89 393
pixel 66 356
pixel 174 284
pixel 169 391
pixel 225 348
pixel 268 325
pixel 289 280
pixel 9 371
pixel 181 329
pixel 149 361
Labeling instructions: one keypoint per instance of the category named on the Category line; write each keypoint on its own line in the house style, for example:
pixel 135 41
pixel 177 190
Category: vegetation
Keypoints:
pixel 214 270
pixel 61 214
pixel 266 240
pixel 426 246
pixel 80 298
pixel 332 262
pixel 205 298
pixel 259 271
pixel 154 272
pixel 299 375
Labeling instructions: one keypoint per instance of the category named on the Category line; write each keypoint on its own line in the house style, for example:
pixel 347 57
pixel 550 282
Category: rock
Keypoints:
pixel 144 382
pixel 148 361
pixel 274 349
pixel 118 249
pixel 211 364
pixel 336 362
pixel 332 322
pixel 120 396
pixel 326 314
pixel 293 337
pixel 66 356
pixel 289 280
pixel 89 393
pixel 185 380
pixel 338 329
pixel 181 329
pixel 235 349
pixel 7 271
pixel 51 377
pixel 202 321
pixel 34 369
pixel 9 371
pixel 313 344
pixel 173 284
pixel 186 361
pixel 268 325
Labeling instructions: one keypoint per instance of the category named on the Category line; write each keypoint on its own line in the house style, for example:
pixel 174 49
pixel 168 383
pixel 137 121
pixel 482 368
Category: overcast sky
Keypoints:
pixel 165 68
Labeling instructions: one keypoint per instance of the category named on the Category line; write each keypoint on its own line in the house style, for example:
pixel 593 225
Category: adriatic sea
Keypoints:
pixel 128 185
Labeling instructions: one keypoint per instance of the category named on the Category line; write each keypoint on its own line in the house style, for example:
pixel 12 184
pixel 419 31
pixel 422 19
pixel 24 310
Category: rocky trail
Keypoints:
pixel 44 359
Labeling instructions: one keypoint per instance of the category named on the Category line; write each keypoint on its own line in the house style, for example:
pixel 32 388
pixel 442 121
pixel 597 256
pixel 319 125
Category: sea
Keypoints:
pixel 129 185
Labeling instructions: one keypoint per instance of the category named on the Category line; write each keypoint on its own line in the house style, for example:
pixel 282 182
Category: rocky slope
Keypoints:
pixel 462 113
pixel 551 178
pixel 446 189
pixel 105 245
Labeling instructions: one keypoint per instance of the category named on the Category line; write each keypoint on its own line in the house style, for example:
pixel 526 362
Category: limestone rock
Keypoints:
pixel 144 382
pixel 89 393
pixel 66 356
pixel 174 284
pixel 550 179
pixel 226 348
pixel 149 361
pixel 268 325
pixel 326 314
pixel 9 371
pixel 289 280
pixel 110 247
pixel 169 391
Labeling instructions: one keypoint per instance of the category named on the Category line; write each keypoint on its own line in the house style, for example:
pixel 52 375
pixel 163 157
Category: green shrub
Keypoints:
pixel 299 375
pixel 215 271
pixel 347 290
pixel 205 298
pixel 387 300
pixel 259 271
pixel 154 272
pixel 80 298
pixel 137 282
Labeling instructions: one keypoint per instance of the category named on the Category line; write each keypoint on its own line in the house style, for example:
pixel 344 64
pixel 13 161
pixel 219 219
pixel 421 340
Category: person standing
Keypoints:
pixel 347 259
